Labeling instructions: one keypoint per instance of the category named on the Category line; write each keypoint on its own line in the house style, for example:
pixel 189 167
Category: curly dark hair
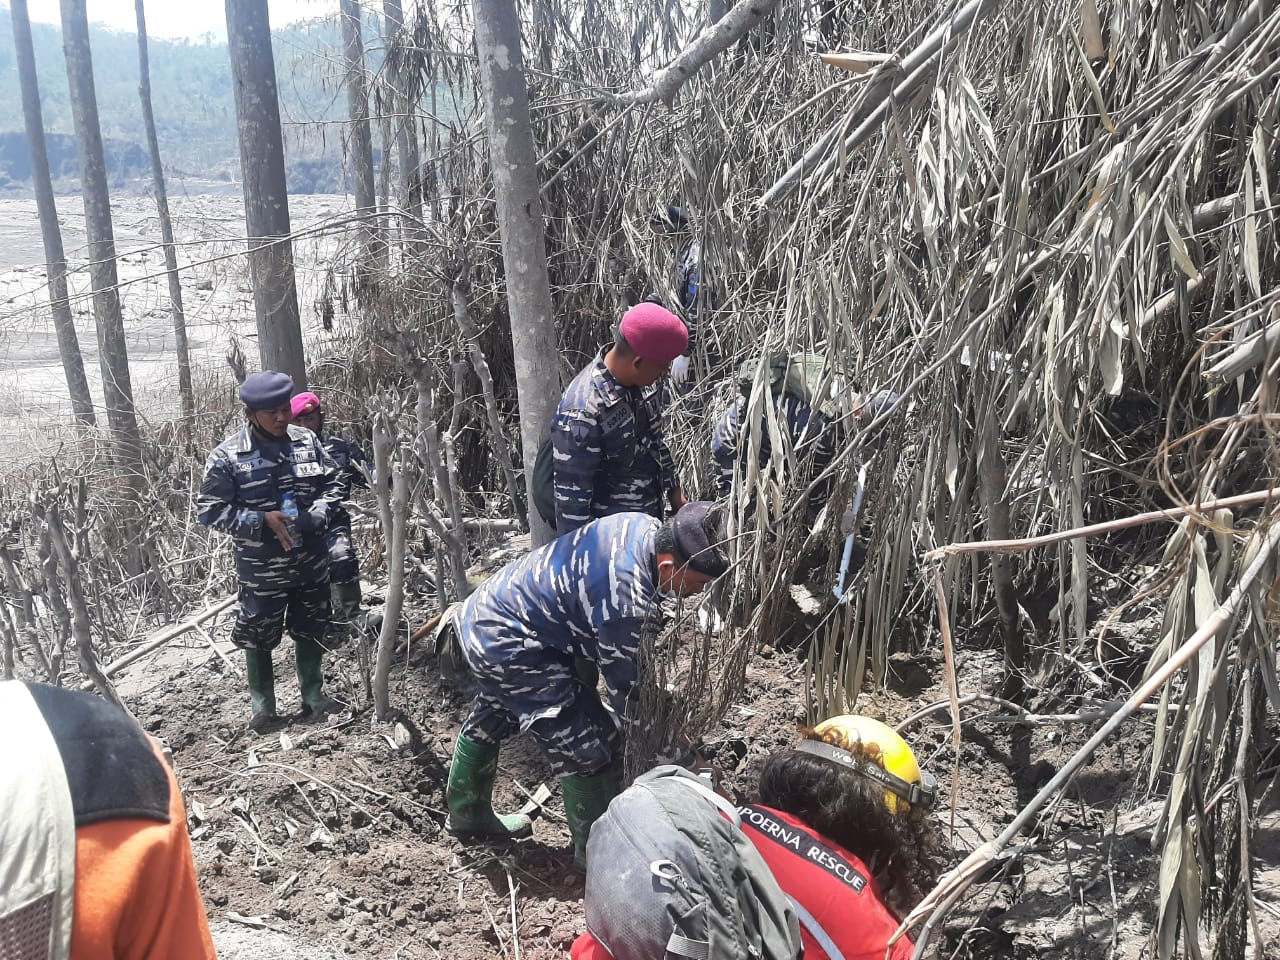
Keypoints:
pixel 906 852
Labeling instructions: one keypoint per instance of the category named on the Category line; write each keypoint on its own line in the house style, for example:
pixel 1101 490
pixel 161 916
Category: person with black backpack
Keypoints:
pixel 797 385
pixel 839 847
pixel 607 451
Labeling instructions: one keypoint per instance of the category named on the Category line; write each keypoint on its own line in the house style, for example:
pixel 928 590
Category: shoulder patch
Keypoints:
pixel 580 430
pixel 111 768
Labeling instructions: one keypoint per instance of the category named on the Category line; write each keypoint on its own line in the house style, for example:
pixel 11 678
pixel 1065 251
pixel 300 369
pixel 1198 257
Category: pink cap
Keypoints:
pixel 304 403
pixel 654 332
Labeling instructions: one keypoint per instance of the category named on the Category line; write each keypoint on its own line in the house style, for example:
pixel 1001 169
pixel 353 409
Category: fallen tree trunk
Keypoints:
pixel 163 637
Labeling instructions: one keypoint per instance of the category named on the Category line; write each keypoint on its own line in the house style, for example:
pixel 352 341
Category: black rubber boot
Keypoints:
pixel 344 598
pixel 262 690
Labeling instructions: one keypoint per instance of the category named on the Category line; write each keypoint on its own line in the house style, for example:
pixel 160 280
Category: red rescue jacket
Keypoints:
pixel 833 885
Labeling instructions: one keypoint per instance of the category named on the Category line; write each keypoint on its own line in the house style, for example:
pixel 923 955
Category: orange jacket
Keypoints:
pixel 136 892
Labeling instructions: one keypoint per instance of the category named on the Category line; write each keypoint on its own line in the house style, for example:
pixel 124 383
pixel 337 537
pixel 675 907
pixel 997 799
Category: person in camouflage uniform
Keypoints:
pixel 283 565
pixel 609 452
pixel 815 437
pixel 691 293
pixel 588 594
pixel 344 565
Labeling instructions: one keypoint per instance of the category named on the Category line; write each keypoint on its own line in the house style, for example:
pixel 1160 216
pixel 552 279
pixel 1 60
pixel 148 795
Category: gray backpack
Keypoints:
pixel 668 876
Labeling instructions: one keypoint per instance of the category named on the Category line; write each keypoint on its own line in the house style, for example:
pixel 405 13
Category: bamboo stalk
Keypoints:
pixel 1030 543
pixel 955 882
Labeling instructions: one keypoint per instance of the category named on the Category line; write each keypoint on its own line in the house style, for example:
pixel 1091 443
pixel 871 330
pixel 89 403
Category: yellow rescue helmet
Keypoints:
pixel 906 785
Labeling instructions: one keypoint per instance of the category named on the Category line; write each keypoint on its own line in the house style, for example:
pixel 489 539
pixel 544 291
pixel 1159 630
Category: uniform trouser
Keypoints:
pixel 344 566
pixel 282 592
pixel 545 698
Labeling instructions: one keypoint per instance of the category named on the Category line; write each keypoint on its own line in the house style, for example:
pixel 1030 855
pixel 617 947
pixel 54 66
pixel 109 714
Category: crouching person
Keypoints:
pixel 271 487
pixel 587 594
pixel 840 839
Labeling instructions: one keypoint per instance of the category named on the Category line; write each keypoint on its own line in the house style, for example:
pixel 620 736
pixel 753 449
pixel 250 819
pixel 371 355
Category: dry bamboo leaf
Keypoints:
pixel 1111 358
pixel 1252 268
pixel 953 464
pixel 1091 27
pixel 856 62
pixel 1091 80
pixel 1178 249
pixel 1258 153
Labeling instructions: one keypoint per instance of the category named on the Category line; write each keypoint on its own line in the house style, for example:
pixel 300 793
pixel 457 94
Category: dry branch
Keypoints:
pixel 164 636
pixel 497 436
pixel 69 572
pixel 393 507
pixel 713 41
pixel 1030 543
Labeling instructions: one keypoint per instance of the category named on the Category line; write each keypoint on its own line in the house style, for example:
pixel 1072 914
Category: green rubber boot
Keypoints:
pixel 469 795
pixel 585 799
pixel 262 690
pixel 315 702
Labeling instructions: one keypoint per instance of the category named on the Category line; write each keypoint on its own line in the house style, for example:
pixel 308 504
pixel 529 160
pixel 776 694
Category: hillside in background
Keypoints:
pixel 194 105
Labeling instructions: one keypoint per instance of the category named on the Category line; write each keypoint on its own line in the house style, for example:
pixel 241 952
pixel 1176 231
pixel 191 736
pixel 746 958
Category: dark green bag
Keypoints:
pixel 793 375
pixel 544 483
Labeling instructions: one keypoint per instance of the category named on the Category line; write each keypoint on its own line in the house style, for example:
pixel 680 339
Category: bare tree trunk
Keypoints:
pixel 57 605
pixel 452 535
pixel 512 160
pixel 498 439
pixel 361 138
pixel 718 36
pixel 21 615
pixel 7 644
pixel 266 197
pixel 69 563
pixel 112 352
pixel 55 259
pixel 166 229
pixel 393 511
pixel 406 129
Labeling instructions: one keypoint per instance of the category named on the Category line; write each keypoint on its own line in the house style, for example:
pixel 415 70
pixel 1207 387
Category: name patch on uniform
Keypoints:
pixel 250 465
pixel 311 469
pixel 805 845
pixel 615 417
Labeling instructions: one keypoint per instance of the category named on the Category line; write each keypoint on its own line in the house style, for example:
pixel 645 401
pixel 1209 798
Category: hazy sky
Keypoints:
pixel 180 18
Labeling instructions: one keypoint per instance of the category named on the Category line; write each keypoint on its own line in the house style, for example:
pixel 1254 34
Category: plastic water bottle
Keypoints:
pixel 289 507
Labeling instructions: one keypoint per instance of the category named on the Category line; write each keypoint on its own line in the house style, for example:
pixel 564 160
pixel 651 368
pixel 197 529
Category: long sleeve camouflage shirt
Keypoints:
pixel 247 476
pixel 610 453
pixel 689 287
pixel 348 458
pixel 587 595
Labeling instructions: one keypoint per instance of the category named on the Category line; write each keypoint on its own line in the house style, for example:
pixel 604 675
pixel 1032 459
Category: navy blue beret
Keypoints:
pixel 700 535
pixel 266 390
